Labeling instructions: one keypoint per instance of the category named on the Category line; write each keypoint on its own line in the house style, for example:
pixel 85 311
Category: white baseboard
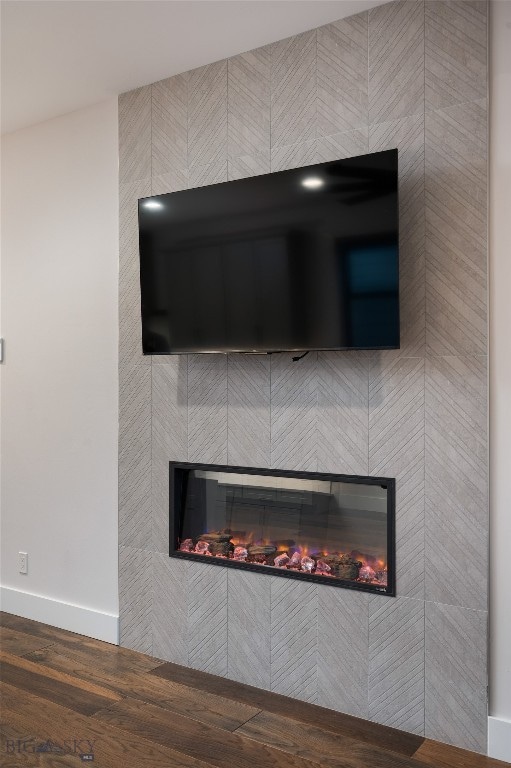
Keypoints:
pixel 75 618
pixel 499 739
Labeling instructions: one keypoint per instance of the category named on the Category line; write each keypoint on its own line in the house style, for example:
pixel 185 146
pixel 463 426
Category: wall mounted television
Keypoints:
pixel 298 260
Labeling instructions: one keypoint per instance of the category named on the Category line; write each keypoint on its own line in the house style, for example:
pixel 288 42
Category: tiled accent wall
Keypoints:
pixel 405 74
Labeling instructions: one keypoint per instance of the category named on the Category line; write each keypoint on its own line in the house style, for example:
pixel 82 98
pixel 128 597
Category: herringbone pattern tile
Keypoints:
pixel 294 412
pixel 341 145
pixel 207 618
pixel 456 230
pixel 342 75
pixel 248 165
pixel 249 77
pixel 396 60
pixel 170 125
pixel 135 456
pixel 396 449
pixel 249 410
pixel 293 89
pixel 456 676
pixel 207 408
pixel 203 175
pixel 173 181
pixel 130 324
pixel 396 663
pixel 249 629
pixel 456 52
pixel 135 599
pixel 343 651
pixel 169 439
pixel 170 608
pixel 294 639
pixel 207 114
pixel 135 135
pixel 408 136
pixel 342 415
pixel 288 156
pixel 456 482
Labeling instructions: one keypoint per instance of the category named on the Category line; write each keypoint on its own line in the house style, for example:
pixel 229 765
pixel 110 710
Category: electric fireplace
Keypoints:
pixel 326 528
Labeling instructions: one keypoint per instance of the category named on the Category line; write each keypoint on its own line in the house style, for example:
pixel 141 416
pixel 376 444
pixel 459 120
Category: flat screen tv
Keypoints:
pixel 298 260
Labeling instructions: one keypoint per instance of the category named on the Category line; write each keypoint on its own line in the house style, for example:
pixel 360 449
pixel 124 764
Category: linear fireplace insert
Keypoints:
pixel 331 529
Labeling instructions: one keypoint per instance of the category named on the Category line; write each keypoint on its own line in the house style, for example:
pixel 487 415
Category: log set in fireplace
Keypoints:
pixel 331 529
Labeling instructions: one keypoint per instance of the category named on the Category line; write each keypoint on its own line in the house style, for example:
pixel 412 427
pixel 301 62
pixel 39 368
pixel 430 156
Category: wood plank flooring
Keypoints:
pixel 67 700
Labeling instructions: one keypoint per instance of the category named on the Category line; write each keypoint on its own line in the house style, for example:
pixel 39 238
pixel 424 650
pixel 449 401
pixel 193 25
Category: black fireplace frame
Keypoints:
pixel 175 496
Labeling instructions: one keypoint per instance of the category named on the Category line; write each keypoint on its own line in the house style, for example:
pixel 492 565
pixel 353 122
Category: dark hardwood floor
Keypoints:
pixel 67 700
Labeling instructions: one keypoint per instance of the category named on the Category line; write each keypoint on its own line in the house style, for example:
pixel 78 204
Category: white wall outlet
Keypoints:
pixel 23 562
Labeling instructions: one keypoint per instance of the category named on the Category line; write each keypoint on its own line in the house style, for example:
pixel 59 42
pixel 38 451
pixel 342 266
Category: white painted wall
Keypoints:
pixel 500 381
pixel 59 393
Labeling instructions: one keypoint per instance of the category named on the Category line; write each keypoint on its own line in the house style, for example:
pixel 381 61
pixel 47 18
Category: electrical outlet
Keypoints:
pixel 23 562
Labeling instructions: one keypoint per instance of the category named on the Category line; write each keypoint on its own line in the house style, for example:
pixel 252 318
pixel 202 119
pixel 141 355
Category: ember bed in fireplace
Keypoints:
pixel 331 529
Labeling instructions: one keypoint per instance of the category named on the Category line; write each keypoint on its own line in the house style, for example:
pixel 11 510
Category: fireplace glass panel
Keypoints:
pixel 320 527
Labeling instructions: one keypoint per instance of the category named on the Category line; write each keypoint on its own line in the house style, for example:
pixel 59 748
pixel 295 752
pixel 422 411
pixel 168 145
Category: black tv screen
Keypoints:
pixel 298 260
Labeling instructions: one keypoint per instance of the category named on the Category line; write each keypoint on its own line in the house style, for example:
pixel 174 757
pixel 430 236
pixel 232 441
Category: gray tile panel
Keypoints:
pixel 396 449
pixel 293 89
pixel 396 60
pixel 456 230
pixel 294 639
pixel 396 662
pixel 207 618
pixel 207 408
pixel 173 181
pixel 169 439
pixel 343 652
pixel 456 52
pixel 135 600
pixel 287 156
pixel 135 456
pixel 457 481
pixel 322 150
pixel 169 619
pixel 248 165
pixel 456 676
pixel 135 135
pixel 249 418
pixel 294 412
pixel 249 78
pixel 207 114
pixel 169 138
pixel 342 50
pixel 248 638
pixel 342 412
pixel 341 145
pixel 203 175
